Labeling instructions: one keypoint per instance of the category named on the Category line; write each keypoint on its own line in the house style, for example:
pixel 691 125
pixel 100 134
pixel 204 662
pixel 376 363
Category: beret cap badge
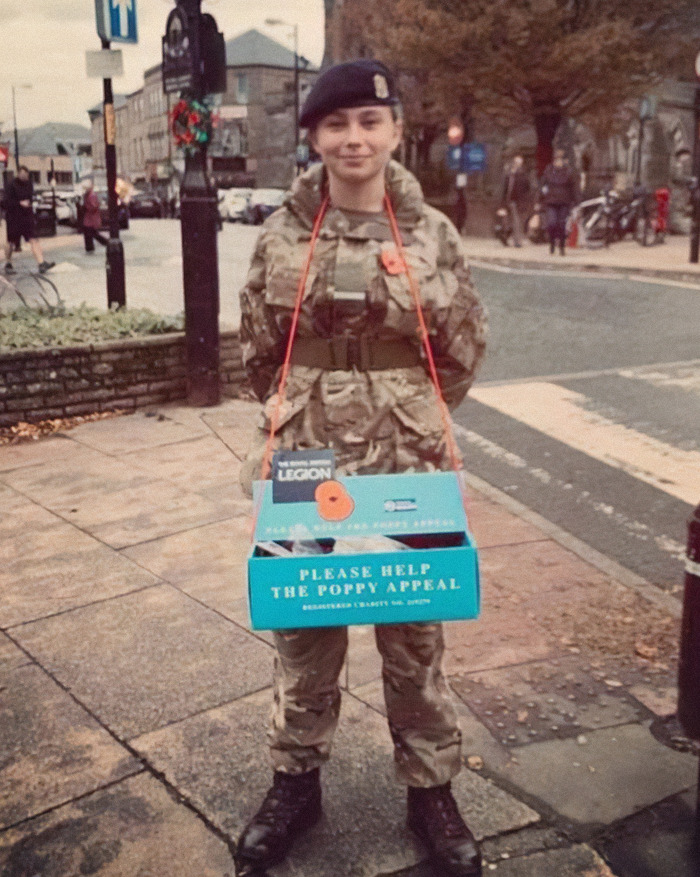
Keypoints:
pixel 381 86
pixel 360 83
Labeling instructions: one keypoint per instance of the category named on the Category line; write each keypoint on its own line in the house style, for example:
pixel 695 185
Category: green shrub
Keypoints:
pixel 64 327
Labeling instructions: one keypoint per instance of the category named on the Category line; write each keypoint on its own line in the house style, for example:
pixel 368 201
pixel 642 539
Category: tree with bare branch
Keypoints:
pixel 518 61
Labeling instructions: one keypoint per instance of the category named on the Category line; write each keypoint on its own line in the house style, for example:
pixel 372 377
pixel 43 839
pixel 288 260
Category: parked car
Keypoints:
pixel 64 202
pixel 144 205
pixel 44 217
pixel 122 211
pixel 262 203
pixel 69 213
pixel 233 204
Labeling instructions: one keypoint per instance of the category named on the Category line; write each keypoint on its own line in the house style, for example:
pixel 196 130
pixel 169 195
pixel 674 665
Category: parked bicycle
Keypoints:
pixel 613 216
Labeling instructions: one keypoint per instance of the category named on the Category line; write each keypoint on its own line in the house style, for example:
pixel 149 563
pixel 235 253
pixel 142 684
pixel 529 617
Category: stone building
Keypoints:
pixel 253 143
pixel 143 144
pixel 257 133
pixel 657 152
pixel 55 148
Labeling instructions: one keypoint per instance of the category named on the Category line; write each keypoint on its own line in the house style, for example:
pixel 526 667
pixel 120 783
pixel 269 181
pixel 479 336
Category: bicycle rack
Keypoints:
pixel 43 288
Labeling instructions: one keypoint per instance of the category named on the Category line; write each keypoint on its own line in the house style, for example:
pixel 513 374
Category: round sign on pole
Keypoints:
pixel 455 132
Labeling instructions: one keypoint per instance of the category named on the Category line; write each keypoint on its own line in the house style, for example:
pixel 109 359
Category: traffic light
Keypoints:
pixel 213 54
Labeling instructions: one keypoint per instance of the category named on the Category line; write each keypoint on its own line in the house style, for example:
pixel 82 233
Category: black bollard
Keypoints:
pixel 689 664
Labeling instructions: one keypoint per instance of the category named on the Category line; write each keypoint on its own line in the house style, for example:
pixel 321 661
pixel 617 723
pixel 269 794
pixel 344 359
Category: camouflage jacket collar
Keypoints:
pixel 306 196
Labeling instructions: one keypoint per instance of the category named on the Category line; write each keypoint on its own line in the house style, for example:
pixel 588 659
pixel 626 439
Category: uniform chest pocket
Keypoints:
pixel 424 273
pixel 437 289
pixel 283 284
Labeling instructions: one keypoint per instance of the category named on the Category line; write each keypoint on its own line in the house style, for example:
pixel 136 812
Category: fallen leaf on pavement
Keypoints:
pixel 646 651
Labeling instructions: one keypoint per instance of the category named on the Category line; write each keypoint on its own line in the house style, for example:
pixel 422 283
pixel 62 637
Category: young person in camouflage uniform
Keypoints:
pixel 359 384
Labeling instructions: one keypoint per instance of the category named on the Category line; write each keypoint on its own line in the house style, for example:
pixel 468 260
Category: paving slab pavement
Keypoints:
pixel 596 777
pixel 133 695
pixel 135 827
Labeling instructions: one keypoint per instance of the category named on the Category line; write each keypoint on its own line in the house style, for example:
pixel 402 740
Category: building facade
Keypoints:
pixel 254 141
pixel 54 152
pixel 655 152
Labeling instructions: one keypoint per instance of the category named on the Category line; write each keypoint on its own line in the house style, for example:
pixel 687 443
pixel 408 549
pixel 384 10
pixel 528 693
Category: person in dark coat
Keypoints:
pixel 92 219
pixel 19 215
pixel 559 195
pixel 516 196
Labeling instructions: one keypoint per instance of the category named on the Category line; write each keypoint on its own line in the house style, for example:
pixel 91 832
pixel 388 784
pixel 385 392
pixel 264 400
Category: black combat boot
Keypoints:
pixel 434 817
pixel 292 805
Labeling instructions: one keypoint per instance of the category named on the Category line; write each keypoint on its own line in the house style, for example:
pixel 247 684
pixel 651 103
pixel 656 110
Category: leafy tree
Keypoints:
pixel 527 60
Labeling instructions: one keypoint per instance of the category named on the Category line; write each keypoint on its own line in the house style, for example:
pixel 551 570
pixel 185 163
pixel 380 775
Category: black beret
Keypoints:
pixel 353 84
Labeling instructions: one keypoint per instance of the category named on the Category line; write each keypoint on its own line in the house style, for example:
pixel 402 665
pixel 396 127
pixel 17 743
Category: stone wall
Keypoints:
pixel 70 381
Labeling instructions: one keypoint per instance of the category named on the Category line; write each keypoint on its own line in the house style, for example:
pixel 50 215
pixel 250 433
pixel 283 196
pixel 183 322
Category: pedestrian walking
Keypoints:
pixel 19 216
pixel 358 383
pixel 516 196
pixel 92 219
pixel 559 188
pixel 461 203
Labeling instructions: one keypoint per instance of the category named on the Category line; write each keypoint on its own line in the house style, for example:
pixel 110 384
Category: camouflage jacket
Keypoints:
pixel 378 420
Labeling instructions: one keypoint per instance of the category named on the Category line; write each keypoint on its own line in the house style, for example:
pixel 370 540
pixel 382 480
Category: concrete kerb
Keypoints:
pixel 667 602
pixel 665 263
pixel 640 275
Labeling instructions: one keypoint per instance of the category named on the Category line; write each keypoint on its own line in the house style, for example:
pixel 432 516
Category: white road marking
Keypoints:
pixel 64 268
pixel 635 529
pixel 561 414
pixel 638 371
pixel 685 376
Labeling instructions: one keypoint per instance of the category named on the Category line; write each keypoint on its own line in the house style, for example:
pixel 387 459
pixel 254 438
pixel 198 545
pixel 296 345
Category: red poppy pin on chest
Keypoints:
pixel 392 262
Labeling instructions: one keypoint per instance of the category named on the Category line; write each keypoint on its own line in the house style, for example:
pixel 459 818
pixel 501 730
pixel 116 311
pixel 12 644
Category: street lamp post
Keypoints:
pixel 14 119
pixel 295 29
pixel 695 191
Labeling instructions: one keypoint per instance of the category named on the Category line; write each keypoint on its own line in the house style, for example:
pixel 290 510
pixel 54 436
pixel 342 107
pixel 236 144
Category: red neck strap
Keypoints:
pixel 452 449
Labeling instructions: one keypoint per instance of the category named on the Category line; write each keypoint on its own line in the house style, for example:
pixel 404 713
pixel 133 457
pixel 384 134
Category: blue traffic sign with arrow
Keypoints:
pixel 116 20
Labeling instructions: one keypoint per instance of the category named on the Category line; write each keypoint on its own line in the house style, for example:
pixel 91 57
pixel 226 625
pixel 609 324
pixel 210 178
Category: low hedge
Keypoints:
pixel 30 328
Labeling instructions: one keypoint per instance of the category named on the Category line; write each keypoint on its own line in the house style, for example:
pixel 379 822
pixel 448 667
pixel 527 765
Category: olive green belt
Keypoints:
pixel 345 353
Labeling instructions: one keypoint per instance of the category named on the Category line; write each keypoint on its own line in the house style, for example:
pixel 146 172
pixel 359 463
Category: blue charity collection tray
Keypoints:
pixel 402 553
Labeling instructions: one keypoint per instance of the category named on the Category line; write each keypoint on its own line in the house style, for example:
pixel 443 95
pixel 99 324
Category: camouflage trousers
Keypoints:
pixel 422 719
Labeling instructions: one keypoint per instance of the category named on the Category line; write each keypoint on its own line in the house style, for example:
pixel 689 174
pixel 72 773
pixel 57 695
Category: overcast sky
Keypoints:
pixel 44 44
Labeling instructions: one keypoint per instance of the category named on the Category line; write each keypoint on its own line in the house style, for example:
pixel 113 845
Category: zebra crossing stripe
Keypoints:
pixel 561 414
